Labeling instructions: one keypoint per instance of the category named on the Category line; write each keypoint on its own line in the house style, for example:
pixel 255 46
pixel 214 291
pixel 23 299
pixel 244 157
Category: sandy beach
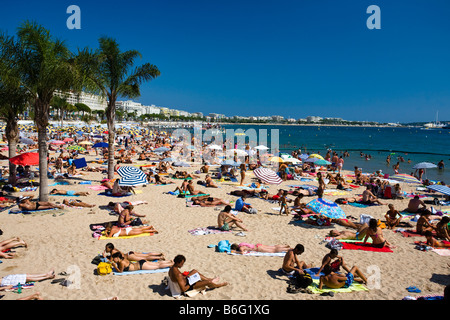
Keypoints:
pixel 62 240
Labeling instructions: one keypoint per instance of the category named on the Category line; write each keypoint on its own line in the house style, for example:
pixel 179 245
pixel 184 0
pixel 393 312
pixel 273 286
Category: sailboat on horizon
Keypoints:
pixel 434 125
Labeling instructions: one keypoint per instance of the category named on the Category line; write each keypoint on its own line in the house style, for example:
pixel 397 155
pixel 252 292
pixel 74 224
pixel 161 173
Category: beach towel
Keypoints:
pixel 98 188
pixel 125 237
pixel 59 183
pixel 207 230
pixel 259 254
pixel 139 272
pixel 316 280
pixel 79 163
pixel 364 247
pixel 357 204
pixel 17 211
pixel 440 251
pixel 334 193
pixel 354 287
pixel 109 194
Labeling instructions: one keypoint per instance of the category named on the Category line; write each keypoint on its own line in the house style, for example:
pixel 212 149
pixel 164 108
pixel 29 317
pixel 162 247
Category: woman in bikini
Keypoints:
pixel 442 228
pixel 433 242
pixel 115 231
pixel 132 255
pixel 121 264
pixel 375 232
pixel 248 247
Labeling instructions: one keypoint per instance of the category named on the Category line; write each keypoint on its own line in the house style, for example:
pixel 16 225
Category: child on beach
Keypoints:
pixel 393 217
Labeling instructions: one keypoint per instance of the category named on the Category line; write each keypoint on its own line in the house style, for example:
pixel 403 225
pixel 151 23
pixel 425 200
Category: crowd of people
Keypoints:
pixel 231 212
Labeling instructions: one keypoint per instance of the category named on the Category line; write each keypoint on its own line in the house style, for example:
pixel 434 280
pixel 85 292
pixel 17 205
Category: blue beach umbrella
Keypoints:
pixel 440 188
pixel 326 208
pixel 101 145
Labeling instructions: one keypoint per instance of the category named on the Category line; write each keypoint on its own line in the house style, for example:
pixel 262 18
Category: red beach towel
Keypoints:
pixel 364 247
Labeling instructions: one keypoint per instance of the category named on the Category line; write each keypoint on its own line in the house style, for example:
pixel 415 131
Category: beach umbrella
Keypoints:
pixel 424 165
pixel 292 160
pixel 405 178
pixel 26 141
pixel 85 143
pixel 181 164
pixel 100 145
pixel 27 158
pixel 276 159
pixel 326 208
pixel 77 148
pixel 214 147
pixel 303 156
pixel 311 160
pixel 131 176
pixel 315 155
pixel 57 142
pixel 238 152
pixel 261 147
pixel 322 162
pixel 267 175
pixel 68 140
pixel 230 163
pixel 440 188
pixel 167 159
pixel 161 149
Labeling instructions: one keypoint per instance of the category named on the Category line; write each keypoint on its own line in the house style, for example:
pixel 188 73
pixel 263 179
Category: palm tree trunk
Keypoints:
pixel 110 115
pixel 12 134
pixel 41 120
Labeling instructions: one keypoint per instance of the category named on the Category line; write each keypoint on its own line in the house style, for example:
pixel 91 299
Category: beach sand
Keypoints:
pixel 62 240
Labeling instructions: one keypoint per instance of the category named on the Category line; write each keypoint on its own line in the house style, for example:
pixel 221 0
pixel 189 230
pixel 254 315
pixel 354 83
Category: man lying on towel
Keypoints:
pixel 25 204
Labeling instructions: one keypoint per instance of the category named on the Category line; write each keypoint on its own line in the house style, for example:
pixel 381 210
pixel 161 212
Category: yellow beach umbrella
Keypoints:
pixel 276 159
pixel 315 155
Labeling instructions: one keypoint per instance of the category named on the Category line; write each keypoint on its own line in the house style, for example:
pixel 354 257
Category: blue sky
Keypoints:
pixel 290 58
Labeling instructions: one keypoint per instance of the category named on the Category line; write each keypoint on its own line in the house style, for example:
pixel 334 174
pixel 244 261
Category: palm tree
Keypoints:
pixel 44 66
pixel 108 72
pixel 13 100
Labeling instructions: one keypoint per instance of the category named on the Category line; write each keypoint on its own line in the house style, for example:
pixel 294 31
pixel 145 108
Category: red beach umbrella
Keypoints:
pixel 27 158
pixel 267 175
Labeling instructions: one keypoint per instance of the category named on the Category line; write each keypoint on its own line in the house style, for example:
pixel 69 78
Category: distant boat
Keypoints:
pixel 434 125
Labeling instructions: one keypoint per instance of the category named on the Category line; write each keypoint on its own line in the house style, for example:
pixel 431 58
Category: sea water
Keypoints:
pixel 412 143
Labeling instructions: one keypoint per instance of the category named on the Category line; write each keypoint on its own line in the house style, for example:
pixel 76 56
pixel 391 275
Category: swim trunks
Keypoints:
pixel 70 193
pixel 225 227
pixel 349 280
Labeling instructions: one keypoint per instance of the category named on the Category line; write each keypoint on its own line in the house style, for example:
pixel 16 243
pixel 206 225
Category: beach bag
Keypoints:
pixel 364 218
pixel 136 222
pixel 104 268
pixel 302 280
pixel 334 244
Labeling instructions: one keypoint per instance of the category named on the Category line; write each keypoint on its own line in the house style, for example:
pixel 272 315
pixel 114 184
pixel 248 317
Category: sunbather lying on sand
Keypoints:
pixel 68 193
pixel 248 247
pixel 122 264
pixel 132 255
pixel 207 201
pixel 115 231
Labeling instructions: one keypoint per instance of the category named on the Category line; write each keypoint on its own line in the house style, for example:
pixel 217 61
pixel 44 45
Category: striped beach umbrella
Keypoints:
pixel 402 177
pixel 440 188
pixel 267 175
pixel 131 176
pixel 326 208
